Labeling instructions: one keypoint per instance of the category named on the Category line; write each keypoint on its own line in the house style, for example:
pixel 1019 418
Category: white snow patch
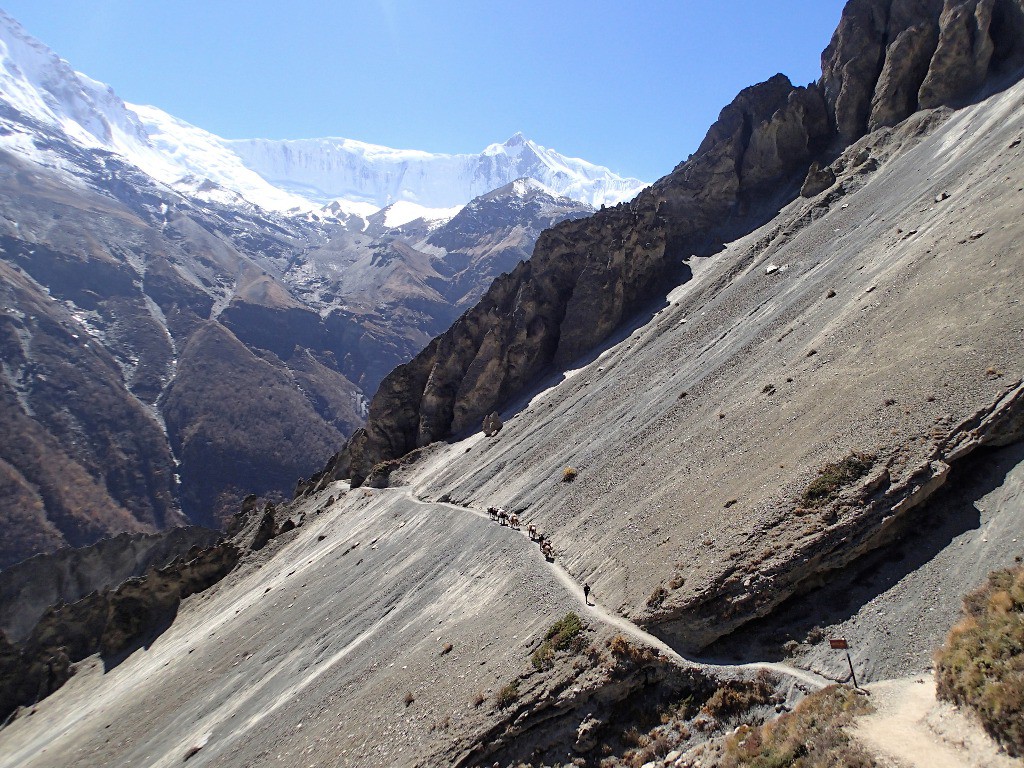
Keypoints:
pixel 402 212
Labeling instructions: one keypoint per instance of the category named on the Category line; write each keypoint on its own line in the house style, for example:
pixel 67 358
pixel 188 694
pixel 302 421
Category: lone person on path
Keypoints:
pixel 586 594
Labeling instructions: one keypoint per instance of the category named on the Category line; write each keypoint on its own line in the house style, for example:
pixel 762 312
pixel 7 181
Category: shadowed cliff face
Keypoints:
pixel 887 59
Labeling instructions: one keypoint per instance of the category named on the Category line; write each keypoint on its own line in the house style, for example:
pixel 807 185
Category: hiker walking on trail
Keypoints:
pixel 586 594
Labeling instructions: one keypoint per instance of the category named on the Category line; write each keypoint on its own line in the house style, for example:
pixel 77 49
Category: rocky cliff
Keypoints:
pixel 28 588
pixel 887 59
pixel 107 621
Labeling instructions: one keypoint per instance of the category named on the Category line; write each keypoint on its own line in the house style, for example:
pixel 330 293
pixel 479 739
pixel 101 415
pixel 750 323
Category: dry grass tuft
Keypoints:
pixel 833 477
pixel 569 474
pixel 981 666
pixel 738 696
pixel 657 597
pixel 508 695
pixel 811 736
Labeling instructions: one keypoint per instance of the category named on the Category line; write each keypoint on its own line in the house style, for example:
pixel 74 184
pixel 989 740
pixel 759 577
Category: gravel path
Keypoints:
pixel 598 612
pixel 910 728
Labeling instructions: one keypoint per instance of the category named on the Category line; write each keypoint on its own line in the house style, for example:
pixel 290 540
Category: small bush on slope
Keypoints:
pixel 833 477
pixel 738 696
pixel 811 736
pixel 562 635
pixel 981 666
pixel 508 695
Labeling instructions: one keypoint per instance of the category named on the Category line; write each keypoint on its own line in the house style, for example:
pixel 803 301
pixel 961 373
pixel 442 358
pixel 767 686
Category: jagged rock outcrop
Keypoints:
pixel 28 588
pixel 964 53
pixel 39 646
pixel 108 622
pixel 884 506
pixel 586 276
pixel 889 58
pixel 818 180
pixel 492 424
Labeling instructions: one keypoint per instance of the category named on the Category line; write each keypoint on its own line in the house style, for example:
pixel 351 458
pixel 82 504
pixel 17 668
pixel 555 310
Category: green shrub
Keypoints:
pixel 508 695
pixel 833 477
pixel 564 631
pixel 543 657
pixel 737 696
pixel 564 634
pixel 981 666
pixel 811 736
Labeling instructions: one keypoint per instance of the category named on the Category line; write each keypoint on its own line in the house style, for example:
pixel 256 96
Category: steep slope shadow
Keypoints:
pixel 896 604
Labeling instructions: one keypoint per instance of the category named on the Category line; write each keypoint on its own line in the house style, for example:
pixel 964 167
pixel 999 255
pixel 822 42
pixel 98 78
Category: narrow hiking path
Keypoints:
pixel 911 729
pixel 598 612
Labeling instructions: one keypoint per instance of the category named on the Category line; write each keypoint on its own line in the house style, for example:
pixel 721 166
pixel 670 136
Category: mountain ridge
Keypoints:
pixel 293 176
pixel 751 162
pixel 777 400
pixel 328 168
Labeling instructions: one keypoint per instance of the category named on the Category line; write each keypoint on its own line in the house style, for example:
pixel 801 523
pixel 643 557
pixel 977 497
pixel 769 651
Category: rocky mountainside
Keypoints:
pixel 110 302
pixel 30 587
pixel 169 347
pixel 808 423
pixel 887 59
pixel 398 287
pixel 133 318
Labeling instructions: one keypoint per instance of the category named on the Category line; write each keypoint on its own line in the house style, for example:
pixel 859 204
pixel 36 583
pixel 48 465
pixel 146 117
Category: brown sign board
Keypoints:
pixel 839 643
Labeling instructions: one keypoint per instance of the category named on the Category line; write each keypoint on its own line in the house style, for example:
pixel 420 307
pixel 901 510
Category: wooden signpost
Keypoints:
pixel 840 644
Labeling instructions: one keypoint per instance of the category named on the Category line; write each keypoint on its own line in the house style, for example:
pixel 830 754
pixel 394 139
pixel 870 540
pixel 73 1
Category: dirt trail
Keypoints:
pixel 912 729
pixel 596 611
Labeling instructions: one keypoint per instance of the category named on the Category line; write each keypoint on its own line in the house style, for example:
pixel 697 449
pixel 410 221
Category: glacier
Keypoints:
pixel 331 168
pixel 298 176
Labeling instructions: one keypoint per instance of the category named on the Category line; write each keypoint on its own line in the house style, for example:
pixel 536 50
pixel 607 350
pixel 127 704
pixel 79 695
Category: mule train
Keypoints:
pixel 511 519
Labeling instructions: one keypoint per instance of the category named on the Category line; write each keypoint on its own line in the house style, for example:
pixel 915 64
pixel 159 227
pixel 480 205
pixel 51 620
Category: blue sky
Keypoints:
pixel 633 86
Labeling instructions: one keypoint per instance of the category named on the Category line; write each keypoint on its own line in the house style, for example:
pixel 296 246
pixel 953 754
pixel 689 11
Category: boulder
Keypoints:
pixel 266 529
pixel 492 424
pixel 586 734
pixel 818 180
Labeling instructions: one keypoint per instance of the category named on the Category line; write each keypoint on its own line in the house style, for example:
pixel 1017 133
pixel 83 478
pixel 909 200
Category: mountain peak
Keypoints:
pixel 524 186
pixel 275 175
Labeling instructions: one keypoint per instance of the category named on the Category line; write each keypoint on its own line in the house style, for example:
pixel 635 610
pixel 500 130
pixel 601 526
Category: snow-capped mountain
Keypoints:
pixel 39 87
pixel 325 169
pixel 159 301
pixel 41 90
pixel 42 86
